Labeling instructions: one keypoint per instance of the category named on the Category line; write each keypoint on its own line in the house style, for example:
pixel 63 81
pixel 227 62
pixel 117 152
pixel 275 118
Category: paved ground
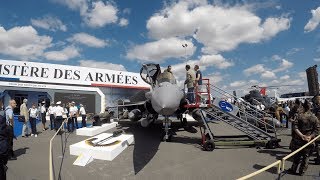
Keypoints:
pixel 149 158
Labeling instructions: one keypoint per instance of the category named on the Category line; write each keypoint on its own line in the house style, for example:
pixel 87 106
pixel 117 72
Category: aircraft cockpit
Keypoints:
pixel 166 77
pixel 151 74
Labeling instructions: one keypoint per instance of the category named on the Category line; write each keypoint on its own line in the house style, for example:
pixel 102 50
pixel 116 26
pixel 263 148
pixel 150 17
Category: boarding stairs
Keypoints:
pixel 244 116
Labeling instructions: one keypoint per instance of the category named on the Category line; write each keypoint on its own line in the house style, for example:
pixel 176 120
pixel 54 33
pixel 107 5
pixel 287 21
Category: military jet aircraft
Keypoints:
pixel 164 98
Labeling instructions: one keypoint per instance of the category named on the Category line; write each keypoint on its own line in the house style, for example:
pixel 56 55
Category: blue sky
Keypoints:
pixel 236 43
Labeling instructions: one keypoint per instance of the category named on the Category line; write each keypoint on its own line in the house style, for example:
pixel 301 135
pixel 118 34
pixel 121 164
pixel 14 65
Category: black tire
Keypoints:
pixel 163 139
pixel 209 146
pixel 272 145
pixel 169 138
pixel 184 122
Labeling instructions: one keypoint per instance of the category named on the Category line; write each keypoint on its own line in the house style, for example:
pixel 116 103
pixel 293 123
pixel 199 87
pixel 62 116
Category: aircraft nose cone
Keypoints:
pixel 166 99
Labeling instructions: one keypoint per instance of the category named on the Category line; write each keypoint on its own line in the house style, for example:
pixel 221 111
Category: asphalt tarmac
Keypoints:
pixel 149 158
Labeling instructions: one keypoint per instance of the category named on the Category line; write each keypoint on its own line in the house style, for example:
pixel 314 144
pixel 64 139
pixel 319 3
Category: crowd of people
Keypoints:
pixel 57 113
pixel 305 120
pixel 303 117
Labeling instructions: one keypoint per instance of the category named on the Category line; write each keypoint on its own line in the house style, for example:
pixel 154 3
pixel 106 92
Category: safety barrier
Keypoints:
pixel 279 163
pixel 51 166
pixel 296 151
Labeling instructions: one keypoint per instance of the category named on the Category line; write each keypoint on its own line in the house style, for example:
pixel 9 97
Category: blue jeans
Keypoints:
pixel 25 129
pixel 190 95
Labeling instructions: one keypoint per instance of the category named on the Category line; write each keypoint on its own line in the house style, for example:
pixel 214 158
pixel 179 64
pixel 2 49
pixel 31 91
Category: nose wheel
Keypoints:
pixel 167 133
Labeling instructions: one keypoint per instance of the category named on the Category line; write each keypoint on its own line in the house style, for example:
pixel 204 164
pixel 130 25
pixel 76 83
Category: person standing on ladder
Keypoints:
pixel 190 77
pixel 198 80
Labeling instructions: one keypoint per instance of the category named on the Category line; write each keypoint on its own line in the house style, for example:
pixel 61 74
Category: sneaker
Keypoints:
pixel 32 135
pixel 36 135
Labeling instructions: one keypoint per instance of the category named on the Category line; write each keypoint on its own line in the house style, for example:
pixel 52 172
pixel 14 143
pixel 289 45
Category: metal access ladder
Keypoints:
pixel 244 126
pixel 248 119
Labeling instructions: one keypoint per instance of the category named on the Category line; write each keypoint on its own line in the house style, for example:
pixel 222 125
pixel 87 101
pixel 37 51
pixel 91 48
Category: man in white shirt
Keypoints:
pixel 73 115
pixel 51 113
pixel 83 115
pixel 43 115
pixel 58 113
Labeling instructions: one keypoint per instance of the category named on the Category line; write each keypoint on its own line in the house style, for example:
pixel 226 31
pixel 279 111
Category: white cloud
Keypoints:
pixel 204 62
pixel 123 22
pixel 316 59
pixel 273 26
pixel 276 57
pixel 285 64
pixel 268 75
pixel 66 53
pixel 81 5
pixel 215 78
pixel 256 69
pixel 314 21
pixel 23 42
pixel 215 60
pixel 294 51
pixel 101 64
pixel 94 13
pixel 226 28
pixel 49 23
pixel 101 14
pixel 89 40
pixel 285 77
pixel 161 50
pixel 302 75
pixel 238 84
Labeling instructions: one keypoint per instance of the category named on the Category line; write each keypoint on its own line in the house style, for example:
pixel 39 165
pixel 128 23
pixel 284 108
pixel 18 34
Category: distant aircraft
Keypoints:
pixel 164 98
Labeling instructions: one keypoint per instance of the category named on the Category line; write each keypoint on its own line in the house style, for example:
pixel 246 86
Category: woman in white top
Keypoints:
pixel 33 119
pixel 83 115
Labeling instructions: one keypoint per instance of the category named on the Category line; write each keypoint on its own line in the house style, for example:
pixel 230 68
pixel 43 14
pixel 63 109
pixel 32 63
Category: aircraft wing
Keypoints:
pixel 132 104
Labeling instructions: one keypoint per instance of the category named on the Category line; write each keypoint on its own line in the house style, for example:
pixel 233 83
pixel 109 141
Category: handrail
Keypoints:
pixel 51 170
pixel 296 151
pixel 244 102
pixel 277 163
pixel 259 112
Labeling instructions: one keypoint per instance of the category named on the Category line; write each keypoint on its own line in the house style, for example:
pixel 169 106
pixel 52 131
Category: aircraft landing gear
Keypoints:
pixel 209 145
pixel 167 134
